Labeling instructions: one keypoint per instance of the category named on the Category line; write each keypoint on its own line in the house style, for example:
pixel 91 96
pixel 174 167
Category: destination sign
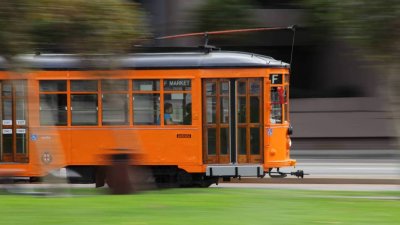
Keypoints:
pixel 275 78
pixel 178 84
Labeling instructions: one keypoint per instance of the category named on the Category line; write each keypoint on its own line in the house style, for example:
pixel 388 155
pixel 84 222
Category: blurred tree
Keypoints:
pixel 67 26
pixel 373 27
pixel 223 15
pixel 71 26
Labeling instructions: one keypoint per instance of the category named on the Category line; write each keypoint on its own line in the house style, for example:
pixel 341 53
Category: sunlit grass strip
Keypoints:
pixel 205 206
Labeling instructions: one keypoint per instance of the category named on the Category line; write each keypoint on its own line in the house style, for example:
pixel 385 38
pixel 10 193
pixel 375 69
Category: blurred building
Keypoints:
pixel 337 98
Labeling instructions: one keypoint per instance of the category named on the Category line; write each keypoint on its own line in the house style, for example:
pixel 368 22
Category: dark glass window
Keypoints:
pixel 115 109
pixel 241 138
pixel 255 87
pixel 20 108
pixel 6 89
pixel 21 141
pixel 84 85
pixel 146 109
pixel 84 109
pixel 211 109
pixel 254 109
pixel 276 104
pixel 177 108
pixel 7 109
pixel 224 104
pixel 53 109
pixel 224 141
pixel 114 85
pixel 146 85
pixel 210 88
pixel 20 88
pixel 211 141
pixel 7 141
pixel 241 112
pixel 285 105
pixel 52 85
pixel 255 141
pixel 241 87
pixel 224 89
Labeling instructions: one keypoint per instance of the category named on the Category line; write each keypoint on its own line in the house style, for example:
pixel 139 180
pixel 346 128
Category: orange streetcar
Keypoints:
pixel 193 117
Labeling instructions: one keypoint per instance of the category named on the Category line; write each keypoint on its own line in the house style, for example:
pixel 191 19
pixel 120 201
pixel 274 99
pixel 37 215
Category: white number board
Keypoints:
pixel 21 131
pixel 7 122
pixel 7 131
pixel 21 122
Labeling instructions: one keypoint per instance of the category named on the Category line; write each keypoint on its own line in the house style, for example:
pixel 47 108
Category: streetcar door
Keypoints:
pixel 216 121
pixel 13 147
pixel 232 128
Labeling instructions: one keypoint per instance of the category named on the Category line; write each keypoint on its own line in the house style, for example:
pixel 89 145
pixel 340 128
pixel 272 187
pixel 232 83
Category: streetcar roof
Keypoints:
pixel 187 60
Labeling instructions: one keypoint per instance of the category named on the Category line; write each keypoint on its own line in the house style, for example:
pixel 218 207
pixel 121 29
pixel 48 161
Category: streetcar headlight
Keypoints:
pixel 290 142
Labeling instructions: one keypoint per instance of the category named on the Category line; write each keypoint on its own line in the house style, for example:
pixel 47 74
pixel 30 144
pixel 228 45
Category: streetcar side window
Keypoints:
pixel 177 102
pixel 53 102
pixel 115 98
pixel 84 85
pixel 146 85
pixel 84 109
pixel 114 85
pixel 84 102
pixel 115 109
pixel 53 109
pixel 52 85
pixel 146 102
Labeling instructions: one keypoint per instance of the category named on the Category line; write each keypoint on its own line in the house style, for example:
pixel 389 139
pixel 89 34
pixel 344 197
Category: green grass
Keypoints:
pixel 205 206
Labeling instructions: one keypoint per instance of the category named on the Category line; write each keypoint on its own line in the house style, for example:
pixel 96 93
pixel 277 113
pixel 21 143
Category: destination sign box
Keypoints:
pixel 177 84
pixel 275 78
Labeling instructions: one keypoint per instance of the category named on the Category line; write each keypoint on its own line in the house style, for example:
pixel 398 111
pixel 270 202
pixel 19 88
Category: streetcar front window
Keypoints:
pixel 276 105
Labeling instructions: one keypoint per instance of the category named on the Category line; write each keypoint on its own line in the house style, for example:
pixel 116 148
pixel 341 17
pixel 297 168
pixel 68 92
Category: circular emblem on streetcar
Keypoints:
pixel 47 158
pixel 34 137
pixel 269 131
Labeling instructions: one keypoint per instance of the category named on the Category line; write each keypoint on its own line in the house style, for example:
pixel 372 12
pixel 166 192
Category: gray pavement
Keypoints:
pixel 357 164
pixel 349 169
pixel 322 187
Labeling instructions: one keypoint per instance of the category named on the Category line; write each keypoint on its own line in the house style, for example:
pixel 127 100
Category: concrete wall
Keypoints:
pixel 334 123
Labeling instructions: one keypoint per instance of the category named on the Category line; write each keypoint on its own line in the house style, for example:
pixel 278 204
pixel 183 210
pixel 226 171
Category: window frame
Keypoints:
pixel 146 92
pixel 164 92
pixel 129 91
pixel 284 105
pixel 128 94
pixel 98 107
pixel 54 92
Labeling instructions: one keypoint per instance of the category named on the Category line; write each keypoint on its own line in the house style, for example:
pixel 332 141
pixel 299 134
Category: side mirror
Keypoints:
pixel 290 130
